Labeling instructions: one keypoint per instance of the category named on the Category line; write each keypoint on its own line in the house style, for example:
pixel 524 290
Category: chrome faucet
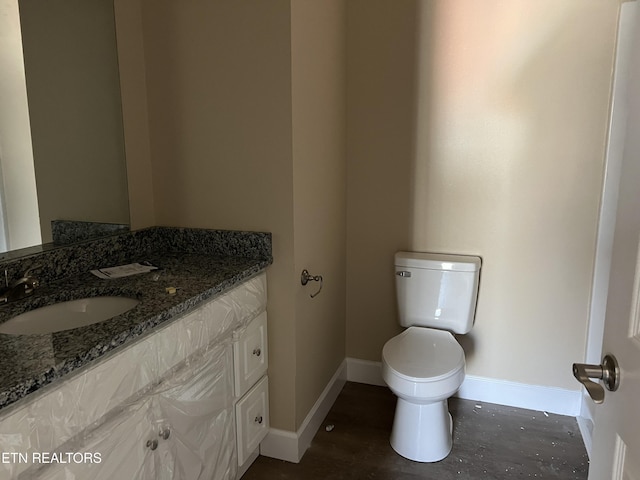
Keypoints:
pixel 20 288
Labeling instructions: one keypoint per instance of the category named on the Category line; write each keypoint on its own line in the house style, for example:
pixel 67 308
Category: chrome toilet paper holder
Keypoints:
pixel 306 277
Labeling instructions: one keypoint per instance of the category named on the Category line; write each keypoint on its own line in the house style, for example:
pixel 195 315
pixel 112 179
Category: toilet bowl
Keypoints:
pixel 423 367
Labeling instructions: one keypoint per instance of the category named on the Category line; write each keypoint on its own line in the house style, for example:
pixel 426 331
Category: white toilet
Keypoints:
pixel 424 365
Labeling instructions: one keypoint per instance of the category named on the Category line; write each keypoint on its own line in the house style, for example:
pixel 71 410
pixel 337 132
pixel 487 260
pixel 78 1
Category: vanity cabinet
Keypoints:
pixel 183 429
pixel 188 402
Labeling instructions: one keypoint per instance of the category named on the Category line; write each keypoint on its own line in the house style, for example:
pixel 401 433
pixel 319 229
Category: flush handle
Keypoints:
pixel 608 372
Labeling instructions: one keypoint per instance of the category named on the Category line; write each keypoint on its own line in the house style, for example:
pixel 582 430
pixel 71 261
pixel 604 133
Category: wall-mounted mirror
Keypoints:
pixel 73 124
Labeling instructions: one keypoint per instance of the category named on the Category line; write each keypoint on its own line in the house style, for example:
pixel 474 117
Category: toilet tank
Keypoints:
pixel 437 291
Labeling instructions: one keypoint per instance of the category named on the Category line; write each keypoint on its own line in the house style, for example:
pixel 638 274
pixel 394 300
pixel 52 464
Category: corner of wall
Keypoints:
pixel 291 446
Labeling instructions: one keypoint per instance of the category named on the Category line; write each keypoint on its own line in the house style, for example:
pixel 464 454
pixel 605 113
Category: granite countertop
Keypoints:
pixel 30 362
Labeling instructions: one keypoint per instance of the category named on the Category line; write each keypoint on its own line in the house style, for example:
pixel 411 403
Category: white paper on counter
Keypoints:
pixel 123 270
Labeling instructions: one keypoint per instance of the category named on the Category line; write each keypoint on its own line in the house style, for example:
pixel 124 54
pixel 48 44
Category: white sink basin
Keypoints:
pixel 68 315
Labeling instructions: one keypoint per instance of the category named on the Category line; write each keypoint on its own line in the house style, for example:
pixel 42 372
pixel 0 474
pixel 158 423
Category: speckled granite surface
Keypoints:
pixel 69 260
pixel 200 263
pixel 65 232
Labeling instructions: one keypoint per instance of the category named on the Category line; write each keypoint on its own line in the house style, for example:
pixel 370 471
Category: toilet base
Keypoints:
pixel 422 432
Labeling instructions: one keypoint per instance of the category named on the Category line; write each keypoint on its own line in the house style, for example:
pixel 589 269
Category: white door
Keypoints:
pixel 616 436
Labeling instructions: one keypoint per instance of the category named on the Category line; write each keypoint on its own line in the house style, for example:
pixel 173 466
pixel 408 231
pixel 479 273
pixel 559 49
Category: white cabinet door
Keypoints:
pixel 118 449
pixel 183 430
pixel 195 413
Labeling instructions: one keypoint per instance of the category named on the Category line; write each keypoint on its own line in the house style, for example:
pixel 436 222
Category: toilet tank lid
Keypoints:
pixel 438 261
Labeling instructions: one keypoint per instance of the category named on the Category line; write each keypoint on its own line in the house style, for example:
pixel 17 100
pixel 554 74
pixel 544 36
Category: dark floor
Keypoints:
pixel 490 442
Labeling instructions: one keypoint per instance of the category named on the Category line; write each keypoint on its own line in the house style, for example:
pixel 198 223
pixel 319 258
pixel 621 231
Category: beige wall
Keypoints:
pixel 381 79
pixel 318 70
pixel 502 157
pixel 219 90
pixel 468 130
pixel 74 105
pixel 246 102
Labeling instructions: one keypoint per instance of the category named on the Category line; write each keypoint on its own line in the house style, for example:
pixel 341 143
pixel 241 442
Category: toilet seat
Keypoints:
pixel 423 365
pixel 423 355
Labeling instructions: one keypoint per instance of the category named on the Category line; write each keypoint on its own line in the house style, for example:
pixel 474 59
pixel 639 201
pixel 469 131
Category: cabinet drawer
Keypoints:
pixel 250 356
pixel 252 419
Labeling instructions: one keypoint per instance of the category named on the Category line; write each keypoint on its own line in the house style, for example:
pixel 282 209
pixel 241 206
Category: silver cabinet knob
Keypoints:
pixel 258 420
pixel 152 444
pixel 257 352
pixel 164 433
pixel 608 372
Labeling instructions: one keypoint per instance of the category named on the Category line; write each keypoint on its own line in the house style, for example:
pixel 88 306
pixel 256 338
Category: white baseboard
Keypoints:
pixel 481 389
pixel 364 371
pixel 521 395
pixel 585 422
pixel 281 444
pixel 290 446
pixel 586 430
